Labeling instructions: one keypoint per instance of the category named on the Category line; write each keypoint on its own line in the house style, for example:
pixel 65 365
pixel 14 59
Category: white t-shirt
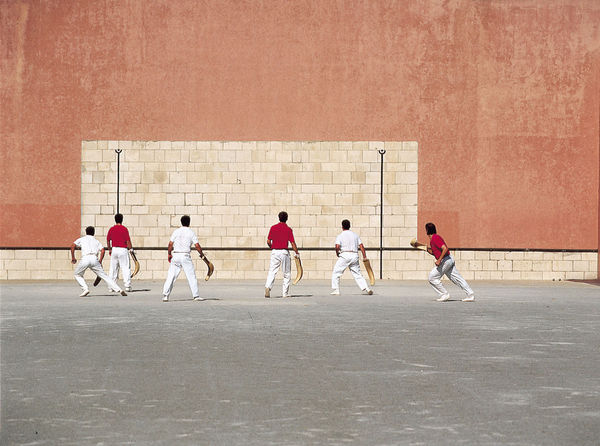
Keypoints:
pixel 183 238
pixel 348 241
pixel 89 245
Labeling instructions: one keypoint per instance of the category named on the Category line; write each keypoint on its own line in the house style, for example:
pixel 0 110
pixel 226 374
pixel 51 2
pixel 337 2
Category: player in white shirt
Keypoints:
pixel 179 257
pixel 347 245
pixel 90 247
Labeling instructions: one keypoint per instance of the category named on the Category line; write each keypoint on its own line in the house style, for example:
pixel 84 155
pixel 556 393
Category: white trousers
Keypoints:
pixel 119 259
pixel 91 262
pixel 447 268
pixel 348 260
pixel 179 261
pixel 280 258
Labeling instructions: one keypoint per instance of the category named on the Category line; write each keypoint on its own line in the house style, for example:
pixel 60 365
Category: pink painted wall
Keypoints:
pixel 502 96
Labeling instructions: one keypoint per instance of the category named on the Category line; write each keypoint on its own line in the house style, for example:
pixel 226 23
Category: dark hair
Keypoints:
pixel 283 216
pixel 430 228
pixel 118 218
pixel 185 220
pixel 90 230
pixel 346 224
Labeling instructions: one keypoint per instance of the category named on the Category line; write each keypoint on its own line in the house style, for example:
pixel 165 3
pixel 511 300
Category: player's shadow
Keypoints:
pixel 192 300
pixel 292 296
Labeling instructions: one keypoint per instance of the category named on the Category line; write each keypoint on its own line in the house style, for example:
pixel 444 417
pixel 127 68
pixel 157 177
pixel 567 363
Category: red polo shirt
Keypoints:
pixel 280 234
pixel 436 246
pixel 118 235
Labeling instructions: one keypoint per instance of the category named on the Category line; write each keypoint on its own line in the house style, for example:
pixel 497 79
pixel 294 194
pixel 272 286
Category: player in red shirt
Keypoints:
pixel 119 244
pixel 444 265
pixel 278 238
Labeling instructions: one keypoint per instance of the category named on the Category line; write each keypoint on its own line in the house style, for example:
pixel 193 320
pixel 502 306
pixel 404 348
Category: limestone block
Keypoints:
pixel 467 275
pixel 264 177
pixel 90 188
pixel 514 255
pixel 177 177
pixel 475 265
pixel 562 265
pixel 490 265
pixel 541 265
pixel 532 275
pixel 582 265
pixel 18 274
pixel 481 275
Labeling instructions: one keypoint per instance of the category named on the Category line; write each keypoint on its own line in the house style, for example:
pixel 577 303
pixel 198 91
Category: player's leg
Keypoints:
pixel 354 268
pixel 338 269
pixel 97 268
pixel 113 270
pixel 79 270
pixel 435 280
pixel 286 267
pixel 190 273
pixel 125 264
pixel 172 274
pixel 273 268
pixel 459 280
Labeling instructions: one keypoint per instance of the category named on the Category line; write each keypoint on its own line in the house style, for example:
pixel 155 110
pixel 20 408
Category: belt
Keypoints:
pixel 355 252
pixel 181 252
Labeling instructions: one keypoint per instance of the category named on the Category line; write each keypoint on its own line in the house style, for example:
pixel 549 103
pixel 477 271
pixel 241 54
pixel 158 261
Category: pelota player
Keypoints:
pixel 90 247
pixel 347 245
pixel 444 265
pixel 179 258
pixel 278 238
pixel 119 245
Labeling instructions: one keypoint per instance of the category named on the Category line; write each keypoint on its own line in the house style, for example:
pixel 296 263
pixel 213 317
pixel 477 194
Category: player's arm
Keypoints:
pixel 199 249
pixel 169 250
pixel 101 255
pixel 269 242
pixel 73 260
pixel 337 249
pixel 295 248
pixel 362 249
pixel 442 255
pixel 109 242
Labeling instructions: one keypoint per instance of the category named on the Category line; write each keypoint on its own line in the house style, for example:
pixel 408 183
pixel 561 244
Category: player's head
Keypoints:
pixel 283 216
pixel 430 228
pixel 119 218
pixel 90 230
pixel 345 224
pixel 185 220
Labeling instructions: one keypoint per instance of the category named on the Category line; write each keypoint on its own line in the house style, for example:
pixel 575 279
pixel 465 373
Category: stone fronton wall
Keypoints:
pixel 233 191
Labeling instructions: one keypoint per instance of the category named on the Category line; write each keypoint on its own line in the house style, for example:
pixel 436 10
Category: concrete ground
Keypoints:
pixel 520 366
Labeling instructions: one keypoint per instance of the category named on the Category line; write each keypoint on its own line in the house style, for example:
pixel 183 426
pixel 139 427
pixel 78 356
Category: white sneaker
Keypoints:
pixel 198 298
pixel 85 293
pixel 165 298
pixel 128 289
pixel 444 298
pixel 286 295
pixel 470 298
pixel 267 292
pixel 368 291
pixel 335 293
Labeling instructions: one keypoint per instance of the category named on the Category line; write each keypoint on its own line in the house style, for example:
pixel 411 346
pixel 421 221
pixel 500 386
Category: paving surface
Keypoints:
pixel 520 366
